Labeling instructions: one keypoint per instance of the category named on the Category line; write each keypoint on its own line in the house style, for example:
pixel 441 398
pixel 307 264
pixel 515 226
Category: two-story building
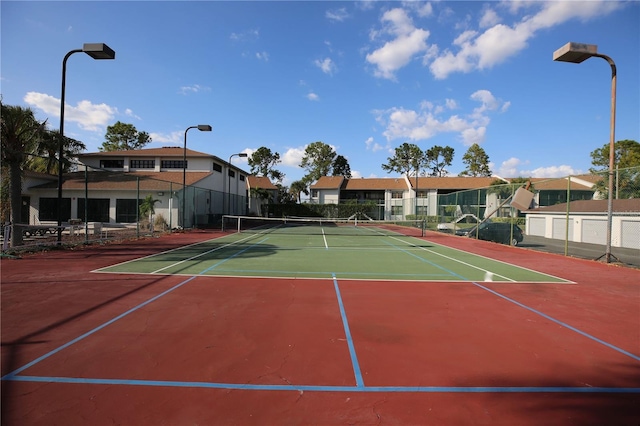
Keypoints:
pixel 397 198
pixel 109 186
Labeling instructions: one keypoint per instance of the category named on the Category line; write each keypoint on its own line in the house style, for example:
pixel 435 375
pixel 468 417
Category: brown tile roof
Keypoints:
pixel 375 183
pixel 592 206
pixel 169 151
pixel 451 182
pixel 260 182
pixel 328 182
pixel 162 181
pixel 559 184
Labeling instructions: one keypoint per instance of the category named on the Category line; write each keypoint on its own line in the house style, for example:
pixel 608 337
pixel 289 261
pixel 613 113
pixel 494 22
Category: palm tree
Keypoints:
pixel 45 159
pixel 20 135
pixel 297 187
pixel 148 207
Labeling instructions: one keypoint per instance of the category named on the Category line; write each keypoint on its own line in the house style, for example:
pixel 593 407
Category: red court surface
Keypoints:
pixel 80 348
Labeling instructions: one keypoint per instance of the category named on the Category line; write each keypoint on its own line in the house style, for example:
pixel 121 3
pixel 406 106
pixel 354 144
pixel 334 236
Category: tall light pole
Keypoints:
pixel 202 128
pixel 577 53
pixel 240 154
pixel 96 51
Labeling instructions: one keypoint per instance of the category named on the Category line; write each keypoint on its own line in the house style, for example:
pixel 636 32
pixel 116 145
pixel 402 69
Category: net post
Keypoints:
pixel 423 225
pixel 238 224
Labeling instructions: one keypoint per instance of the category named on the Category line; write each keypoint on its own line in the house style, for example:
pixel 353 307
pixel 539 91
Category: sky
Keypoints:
pixel 361 76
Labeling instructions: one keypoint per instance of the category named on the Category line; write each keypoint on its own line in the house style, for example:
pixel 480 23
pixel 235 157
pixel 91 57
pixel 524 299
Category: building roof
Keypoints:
pixel 328 182
pixel 145 181
pixel 451 182
pixel 168 151
pixel 592 206
pixel 360 184
pixel 561 184
pixel 262 182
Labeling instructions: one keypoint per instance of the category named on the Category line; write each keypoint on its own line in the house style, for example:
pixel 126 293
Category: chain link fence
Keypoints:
pixel 99 205
pixel 571 213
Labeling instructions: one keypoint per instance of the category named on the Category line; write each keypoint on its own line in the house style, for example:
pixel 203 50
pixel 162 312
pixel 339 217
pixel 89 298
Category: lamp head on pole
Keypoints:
pixel 243 155
pixel 575 52
pixel 99 51
pixel 204 127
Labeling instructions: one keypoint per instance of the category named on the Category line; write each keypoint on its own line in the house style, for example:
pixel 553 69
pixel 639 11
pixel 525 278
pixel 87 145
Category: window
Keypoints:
pixel 422 210
pixel 173 164
pixel 242 178
pixel 112 164
pixel 126 210
pixel 396 210
pixel 232 173
pixel 314 193
pixel 217 167
pixel 396 194
pixel 422 193
pixel 49 209
pixel 97 210
pixel 143 164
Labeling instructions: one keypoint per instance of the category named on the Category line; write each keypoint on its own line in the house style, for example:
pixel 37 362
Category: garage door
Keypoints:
pixel 560 227
pixel 594 231
pixel 536 226
pixel 631 234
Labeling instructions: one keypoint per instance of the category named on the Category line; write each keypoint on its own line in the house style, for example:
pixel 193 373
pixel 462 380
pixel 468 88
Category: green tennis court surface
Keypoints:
pixel 322 252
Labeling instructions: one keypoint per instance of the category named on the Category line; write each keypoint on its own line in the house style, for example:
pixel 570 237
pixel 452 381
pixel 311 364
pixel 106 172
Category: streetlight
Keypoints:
pixel 577 53
pixel 202 128
pixel 96 51
pixel 243 155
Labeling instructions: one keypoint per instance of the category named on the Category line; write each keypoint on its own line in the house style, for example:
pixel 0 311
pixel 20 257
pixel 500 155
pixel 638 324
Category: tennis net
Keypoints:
pixel 323 226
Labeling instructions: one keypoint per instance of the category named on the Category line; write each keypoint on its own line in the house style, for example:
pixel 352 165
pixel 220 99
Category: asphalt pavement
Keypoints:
pixel 626 256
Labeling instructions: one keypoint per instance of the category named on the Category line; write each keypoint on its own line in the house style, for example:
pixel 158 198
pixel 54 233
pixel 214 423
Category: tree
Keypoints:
pixel 627 169
pixel 505 190
pixel 477 162
pixel 19 136
pixel 408 160
pixel 438 158
pixel 123 137
pixel 341 167
pixel 298 187
pixel 263 163
pixel 45 159
pixel 317 160
pixel 626 154
pixel 148 208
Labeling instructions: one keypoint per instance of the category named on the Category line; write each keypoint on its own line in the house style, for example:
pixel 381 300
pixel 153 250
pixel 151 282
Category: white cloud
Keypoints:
pixel 326 65
pixel 337 15
pixel 489 18
pixel 408 42
pixel 293 156
pixel 88 116
pixel 474 51
pixel 313 97
pixel 247 35
pixel 514 167
pixel 170 138
pixel 428 122
pixel 196 88
pixel 373 146
pixel 263 56
pixel 129 113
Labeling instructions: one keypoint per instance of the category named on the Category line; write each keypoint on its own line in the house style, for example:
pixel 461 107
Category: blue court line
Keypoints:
pixel 522 305
pixel 95 330
pixel 347 332
pixel 312 388
pixel 563 324
pixel 12 375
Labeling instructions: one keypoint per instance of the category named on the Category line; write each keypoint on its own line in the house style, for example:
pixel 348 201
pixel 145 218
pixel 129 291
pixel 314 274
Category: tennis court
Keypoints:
pixel 322 324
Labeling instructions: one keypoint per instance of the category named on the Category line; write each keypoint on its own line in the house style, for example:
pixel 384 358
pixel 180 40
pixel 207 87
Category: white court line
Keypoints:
pixel 324 237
